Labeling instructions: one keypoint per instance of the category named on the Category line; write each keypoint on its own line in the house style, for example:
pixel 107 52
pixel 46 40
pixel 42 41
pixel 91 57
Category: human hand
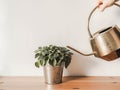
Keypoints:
pixel 103 4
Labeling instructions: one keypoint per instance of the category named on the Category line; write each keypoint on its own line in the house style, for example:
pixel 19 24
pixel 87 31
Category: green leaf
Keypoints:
pixel 67 62
pixel 51 62
pixel 42 62
pixel 37 64
pixel 54 62
pixel 59 62
pixel 36 55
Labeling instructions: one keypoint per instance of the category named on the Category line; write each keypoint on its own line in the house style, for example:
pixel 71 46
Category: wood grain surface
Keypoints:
pixel 69 83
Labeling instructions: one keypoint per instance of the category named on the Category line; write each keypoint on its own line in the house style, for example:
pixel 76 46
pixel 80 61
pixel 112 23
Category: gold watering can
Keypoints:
pixel 105 43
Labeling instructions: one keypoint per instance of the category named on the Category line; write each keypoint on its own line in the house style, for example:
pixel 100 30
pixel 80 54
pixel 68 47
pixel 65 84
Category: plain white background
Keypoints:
pixel 27 24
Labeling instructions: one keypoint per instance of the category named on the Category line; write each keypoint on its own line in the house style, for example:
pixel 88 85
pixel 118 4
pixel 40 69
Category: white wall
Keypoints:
pixel 27 24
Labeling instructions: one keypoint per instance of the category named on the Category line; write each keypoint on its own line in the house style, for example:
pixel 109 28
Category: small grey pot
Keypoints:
pixel 53 75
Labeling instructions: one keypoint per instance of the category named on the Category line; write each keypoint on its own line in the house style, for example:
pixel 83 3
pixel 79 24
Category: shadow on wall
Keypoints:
pixel 80 65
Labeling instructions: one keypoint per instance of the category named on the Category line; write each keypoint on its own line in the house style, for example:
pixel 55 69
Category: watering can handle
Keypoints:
pixel 90 18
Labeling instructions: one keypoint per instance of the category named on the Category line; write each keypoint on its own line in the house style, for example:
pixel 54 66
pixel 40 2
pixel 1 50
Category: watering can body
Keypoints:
pixel 105 43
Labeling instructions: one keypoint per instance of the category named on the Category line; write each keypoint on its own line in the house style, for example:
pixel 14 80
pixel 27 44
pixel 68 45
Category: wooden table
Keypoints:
pixel 69 83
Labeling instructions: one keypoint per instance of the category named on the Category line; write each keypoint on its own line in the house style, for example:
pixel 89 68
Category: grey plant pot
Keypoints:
pixel 53 75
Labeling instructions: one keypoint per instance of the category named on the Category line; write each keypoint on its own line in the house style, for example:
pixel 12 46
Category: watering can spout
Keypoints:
pixel 80 52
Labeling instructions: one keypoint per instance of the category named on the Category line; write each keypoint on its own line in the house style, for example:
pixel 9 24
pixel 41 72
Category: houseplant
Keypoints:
pixel 53 58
